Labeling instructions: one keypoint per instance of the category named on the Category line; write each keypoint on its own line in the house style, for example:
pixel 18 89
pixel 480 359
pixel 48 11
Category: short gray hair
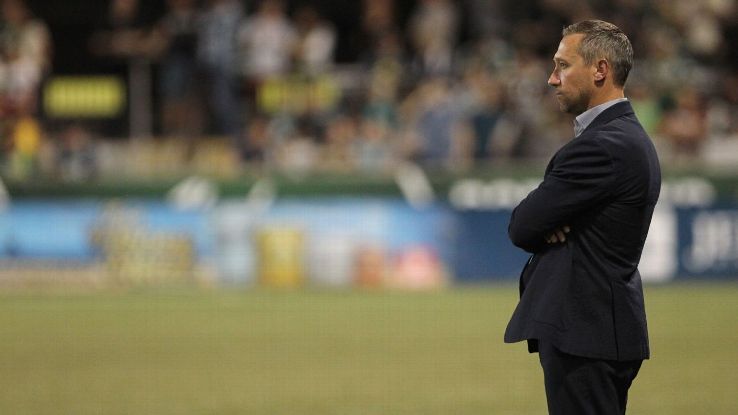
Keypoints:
pixel 604 40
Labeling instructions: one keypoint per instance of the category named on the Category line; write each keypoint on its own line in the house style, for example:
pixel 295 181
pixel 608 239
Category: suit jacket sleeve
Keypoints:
pixel 580 177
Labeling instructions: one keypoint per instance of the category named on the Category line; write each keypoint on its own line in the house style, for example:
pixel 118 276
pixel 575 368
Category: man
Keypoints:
pixel 581 304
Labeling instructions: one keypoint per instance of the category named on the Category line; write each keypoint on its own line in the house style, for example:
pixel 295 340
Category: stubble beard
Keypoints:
pixel 574 105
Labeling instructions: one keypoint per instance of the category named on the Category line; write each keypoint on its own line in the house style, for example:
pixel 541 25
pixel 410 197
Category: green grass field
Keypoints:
pixel 328 352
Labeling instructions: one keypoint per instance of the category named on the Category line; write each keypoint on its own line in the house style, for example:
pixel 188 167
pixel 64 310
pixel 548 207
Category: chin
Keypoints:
pixel 565 108
pixel 573 109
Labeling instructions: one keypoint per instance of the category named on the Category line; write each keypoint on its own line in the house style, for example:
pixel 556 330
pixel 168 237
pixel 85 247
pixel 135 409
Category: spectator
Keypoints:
pixel 119 42
pixel 438 126
pixel 433 33
pixel 25 58
pixel 77 158
pixel 372 152
pixel 722 111
pixel 340 135
pixel 385 67
pixel 684 126
pixel 377 20
pixel 667 66
pixel 255 140
pixel 298 153
pixel 25 141
pixel 216 58
pixel 121 34
pixel 316 42
pixel 174 41
pixel 266 42
pixel 486 109
pixel 382 93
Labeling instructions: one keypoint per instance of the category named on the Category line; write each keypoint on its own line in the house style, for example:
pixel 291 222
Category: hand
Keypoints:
pixel 558 235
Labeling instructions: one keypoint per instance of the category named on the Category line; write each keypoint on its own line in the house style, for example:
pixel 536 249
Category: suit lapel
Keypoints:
pixel 618 110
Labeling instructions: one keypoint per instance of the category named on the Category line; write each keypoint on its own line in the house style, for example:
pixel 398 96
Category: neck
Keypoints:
pixel 605 96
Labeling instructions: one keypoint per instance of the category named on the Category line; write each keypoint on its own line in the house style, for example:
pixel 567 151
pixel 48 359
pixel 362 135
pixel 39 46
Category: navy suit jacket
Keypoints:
pixel 585 295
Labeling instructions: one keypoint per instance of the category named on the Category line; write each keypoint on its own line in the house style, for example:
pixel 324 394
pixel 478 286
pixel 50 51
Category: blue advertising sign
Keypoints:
pixel 708 243
pixel 471 243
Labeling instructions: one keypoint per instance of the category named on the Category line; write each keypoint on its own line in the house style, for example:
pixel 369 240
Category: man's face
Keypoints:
pixel 571 76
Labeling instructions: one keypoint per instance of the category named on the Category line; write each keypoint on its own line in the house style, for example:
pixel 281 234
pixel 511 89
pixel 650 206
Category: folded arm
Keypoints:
pixel 581 176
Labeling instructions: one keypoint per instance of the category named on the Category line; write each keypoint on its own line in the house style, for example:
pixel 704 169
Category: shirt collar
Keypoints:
pixel 582 121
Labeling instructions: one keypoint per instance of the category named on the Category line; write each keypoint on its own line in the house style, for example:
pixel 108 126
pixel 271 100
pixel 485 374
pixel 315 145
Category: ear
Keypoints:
pixel 602 68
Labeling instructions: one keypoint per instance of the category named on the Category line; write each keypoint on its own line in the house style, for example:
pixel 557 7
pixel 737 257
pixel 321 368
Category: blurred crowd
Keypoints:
pixel 25 59
pixel 451 85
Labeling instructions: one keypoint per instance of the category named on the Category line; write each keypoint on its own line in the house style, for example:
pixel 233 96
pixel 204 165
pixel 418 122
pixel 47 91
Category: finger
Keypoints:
pixel 566 229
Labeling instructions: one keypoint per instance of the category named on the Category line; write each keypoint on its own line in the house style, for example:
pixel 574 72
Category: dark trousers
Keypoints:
pixel 578 385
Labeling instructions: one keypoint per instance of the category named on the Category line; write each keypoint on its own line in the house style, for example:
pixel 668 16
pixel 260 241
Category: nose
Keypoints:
pixel 554 80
